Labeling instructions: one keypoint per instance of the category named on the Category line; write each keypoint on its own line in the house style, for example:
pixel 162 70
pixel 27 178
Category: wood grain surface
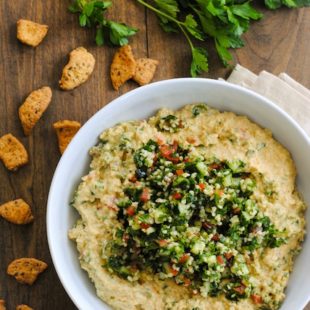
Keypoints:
pixel 280 42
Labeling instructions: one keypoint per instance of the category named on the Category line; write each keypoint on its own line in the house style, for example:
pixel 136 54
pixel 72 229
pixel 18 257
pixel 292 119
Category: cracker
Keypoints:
pixel 33 108
pixel 17 212
pixel 79 68
pixel 145 70
pixel 31 33
pixel 23 307
pixel 123 66
pixel 2 304
pixel 26 270
pixel 65 131
pixel 12 152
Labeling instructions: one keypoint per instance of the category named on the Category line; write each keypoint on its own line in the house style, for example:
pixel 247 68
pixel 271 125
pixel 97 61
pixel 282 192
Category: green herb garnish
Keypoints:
pixel 192 220
pixel 91 15
pixel 224 21
pixel 275 4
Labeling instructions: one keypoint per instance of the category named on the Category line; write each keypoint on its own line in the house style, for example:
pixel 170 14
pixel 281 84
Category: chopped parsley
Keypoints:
pixel 192 220
pixel 169 123
pixel 198 108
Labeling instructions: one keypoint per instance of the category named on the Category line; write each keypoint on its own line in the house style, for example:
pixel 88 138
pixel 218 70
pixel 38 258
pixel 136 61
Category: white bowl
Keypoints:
pixel 140 104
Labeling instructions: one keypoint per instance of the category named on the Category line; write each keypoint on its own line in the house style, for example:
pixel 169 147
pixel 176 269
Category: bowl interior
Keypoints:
pixel 140 104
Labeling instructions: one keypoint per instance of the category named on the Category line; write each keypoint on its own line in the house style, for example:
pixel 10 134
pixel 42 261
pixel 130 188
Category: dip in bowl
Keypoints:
pixel 139 105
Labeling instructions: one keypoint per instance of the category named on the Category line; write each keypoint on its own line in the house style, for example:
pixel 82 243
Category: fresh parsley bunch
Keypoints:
pixel 91 14
pixel 222 20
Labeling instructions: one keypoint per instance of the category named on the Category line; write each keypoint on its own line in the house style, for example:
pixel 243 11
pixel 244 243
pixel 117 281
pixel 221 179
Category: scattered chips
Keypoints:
pixel 12 152
pixel 17 212
pixel 145 70
pixel 65 131
pixel 23 307
pixel 123 66
pixel 26 270
pixel 2 304
pixel 33 108
pixel 31 33
pixel 79 68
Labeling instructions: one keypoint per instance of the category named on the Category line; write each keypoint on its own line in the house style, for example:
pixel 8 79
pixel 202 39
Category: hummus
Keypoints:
pixel 235 252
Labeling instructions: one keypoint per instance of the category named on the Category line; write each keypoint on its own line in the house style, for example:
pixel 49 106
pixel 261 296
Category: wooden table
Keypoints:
pixel 281 42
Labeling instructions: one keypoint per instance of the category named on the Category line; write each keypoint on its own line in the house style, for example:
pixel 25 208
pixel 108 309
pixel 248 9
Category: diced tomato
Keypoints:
pixel 186 160
pixel 236 210
pixel 175 160
pixel 187 282
pixel 206 225
pixel 220 192
pixel 144 225
pixel 162 242
pixel 215 166
pixel 131 210
pixel 202 186
pixel 145 196
pixel 173 271
pixel 256 299
pixel 160 141
pixel 165 150
pixel 179 172
pixel 125 237
pixel 176 196
pixel 220 259
pixel 228 255
pixel 191 140
pixel 155 160
pixel 239 289
pixel 168 150
pixel 113 208
pixel 216 237
pixel 175 146
pixel 184 258
pixel 133 179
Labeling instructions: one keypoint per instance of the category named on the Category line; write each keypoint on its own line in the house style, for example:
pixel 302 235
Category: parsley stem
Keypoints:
pixel 179 23
pixel 187 37
pixel 157 11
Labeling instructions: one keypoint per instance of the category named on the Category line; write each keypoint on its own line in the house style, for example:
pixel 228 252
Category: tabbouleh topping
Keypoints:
pixel 192 220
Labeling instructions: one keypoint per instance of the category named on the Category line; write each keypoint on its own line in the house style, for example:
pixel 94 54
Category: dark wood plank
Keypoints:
pixel 23 69
pixel 279 43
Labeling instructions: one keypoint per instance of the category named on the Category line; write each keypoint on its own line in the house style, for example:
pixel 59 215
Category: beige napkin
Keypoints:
pixel 288 94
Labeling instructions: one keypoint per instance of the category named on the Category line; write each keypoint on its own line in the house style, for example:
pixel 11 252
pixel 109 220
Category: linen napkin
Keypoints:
pixel 283 90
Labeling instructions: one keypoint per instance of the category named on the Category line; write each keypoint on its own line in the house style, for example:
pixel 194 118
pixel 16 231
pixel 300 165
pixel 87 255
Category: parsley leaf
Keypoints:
pixel 275 4
pixel 169 7
pixel 91 14
pixel 192 27
pixel 224 21
pixel 119 33
pixel 223 52
pixel 99 36
pixel 246 11
pixel 199 61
